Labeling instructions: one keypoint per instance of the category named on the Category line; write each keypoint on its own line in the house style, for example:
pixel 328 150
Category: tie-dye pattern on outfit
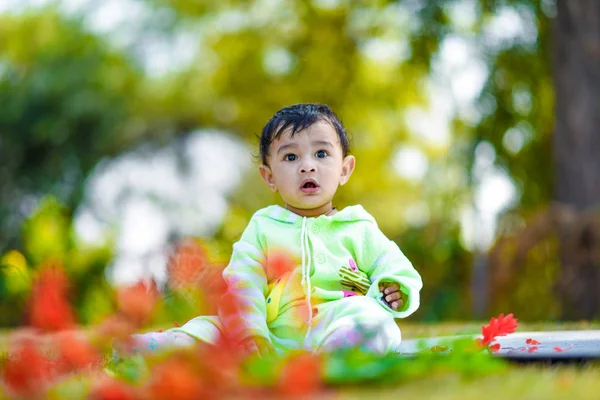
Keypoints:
pixel 330 299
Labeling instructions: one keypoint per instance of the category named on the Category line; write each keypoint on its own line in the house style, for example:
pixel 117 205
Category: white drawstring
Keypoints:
pixel 303 249
pixel 306 271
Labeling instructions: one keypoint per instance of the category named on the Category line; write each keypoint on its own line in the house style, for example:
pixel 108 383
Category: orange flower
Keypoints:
pixel 49 308
pixel 27 371
pixel 137 302
pixel 176 379
pixel 186 265
pixel 116 327
pixel 231 310
pixel 532 341
pixel 213 287
pixel 301 376
pixel 190 269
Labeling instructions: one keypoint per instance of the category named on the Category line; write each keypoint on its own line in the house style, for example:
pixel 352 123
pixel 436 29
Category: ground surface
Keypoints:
pixel 560 342
pixel 529 381
pixel 519 381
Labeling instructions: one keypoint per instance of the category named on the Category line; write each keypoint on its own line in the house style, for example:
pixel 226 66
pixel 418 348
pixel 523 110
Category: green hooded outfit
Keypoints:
pixel 313 283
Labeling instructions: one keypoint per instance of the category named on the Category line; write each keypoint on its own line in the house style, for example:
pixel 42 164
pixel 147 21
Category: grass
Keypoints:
pixel 559 381
pixel 519 382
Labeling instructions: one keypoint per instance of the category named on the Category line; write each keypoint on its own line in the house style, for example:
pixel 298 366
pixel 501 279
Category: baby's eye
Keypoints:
pixel 321 154
pixel 290 157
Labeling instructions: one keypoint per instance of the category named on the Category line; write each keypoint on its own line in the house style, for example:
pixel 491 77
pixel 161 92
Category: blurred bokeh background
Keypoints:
pixel 129 125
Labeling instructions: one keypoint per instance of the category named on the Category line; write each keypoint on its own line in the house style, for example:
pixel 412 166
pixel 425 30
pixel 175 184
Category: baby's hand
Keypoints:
pixel 258 345
pixel 392 295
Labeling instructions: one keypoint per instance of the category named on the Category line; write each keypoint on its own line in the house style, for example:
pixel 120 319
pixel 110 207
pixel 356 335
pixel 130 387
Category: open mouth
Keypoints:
pixel 309 186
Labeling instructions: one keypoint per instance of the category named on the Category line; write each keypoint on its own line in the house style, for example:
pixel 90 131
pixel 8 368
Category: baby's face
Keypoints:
pixel 307 168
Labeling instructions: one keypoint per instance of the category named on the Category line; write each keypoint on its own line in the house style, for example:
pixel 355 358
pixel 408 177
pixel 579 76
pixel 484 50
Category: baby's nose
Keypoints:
pixel 307 168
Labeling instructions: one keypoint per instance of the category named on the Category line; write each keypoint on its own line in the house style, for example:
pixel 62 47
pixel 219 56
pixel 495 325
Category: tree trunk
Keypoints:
pixel 577 149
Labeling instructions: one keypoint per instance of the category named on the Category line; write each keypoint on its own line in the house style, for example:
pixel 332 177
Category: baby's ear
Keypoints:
pixel 267 175
pixel 348 164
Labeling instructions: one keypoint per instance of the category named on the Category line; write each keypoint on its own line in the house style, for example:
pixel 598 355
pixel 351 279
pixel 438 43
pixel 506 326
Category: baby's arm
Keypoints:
pixel 243 310
pixel 388 267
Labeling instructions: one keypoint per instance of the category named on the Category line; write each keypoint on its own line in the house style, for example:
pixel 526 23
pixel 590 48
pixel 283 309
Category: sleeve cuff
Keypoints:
pixel 410 297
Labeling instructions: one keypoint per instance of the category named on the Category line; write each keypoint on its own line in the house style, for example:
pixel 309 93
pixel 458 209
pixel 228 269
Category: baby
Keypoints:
pixel 347 282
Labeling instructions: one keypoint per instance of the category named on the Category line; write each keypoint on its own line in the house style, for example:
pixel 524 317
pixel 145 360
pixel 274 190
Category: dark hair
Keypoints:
pixel 299 117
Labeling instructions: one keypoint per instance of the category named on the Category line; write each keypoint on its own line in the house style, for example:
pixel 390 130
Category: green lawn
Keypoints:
pixel 560 381
pixel 520 382
pixel 570 382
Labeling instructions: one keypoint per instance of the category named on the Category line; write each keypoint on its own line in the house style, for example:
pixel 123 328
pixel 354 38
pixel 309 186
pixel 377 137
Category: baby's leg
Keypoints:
pixel 204 329
pixel 145 343
pixel 157 341
pixel 354 321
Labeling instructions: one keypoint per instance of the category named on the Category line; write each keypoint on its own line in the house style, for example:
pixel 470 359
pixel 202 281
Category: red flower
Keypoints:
pixel 27 370
pixel 495 347
pixel 500 326
pixel 532 341
pixel 301 376
pixel 137 302
pixel 75 352
pixel 49 308
pixel 175 379
pixel 222 363
pixel 560 349
pixel 110 389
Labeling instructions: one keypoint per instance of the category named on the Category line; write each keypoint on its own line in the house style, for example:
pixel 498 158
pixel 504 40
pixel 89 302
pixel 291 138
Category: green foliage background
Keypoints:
pixel 70 99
